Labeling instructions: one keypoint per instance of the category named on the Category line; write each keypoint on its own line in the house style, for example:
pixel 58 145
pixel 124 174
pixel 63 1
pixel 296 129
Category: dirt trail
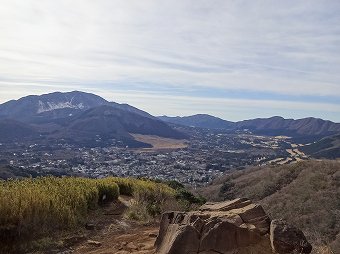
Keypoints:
pixel 138 240
pixel 111 233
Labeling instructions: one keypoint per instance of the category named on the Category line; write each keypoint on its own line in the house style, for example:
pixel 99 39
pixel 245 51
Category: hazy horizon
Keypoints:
pixel 183 115
pixel 234 60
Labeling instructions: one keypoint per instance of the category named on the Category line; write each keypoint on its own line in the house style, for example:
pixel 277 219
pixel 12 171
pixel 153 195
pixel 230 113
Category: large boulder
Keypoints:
pixel 216 228
pixel 229 227
pixel 285 238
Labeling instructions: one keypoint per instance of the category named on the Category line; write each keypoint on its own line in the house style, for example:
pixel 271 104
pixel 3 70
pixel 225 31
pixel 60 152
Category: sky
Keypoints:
pixel 232 59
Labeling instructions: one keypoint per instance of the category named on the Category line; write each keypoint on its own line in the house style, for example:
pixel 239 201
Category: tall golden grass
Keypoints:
pixel 32 207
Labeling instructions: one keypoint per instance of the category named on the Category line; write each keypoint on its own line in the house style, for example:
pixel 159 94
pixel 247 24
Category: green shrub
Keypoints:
pixel 184 196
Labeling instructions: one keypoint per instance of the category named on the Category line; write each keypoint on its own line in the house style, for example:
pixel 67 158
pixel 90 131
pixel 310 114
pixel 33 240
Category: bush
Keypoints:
pixel 184 196
pixel 126 185
pixel 151 198
pixel 108 190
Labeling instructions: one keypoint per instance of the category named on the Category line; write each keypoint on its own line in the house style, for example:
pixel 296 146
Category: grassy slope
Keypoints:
pixel 306 194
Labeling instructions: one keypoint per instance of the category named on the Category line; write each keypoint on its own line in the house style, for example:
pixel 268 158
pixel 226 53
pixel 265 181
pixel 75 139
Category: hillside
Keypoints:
pixel 328 147
pixel 11 130
pixel 306 194
pixel 290 127
pixel 108 122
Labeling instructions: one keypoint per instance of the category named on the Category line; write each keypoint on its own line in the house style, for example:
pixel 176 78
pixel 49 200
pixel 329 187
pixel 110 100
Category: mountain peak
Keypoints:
pixel 33 105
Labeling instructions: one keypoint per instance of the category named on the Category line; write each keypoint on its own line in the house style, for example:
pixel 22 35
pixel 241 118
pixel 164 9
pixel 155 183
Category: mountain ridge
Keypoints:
pixel 273 126
pixel 57 112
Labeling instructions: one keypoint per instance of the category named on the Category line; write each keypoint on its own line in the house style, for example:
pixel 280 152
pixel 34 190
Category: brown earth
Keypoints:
pixel 160 143
pixel 110 232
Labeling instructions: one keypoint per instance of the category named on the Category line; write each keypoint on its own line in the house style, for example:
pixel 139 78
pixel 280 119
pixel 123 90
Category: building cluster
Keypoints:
pixel 208 156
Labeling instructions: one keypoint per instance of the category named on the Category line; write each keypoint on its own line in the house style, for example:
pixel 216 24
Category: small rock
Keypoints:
pixel 131 246
pixel 285 238
pixel 74 240
pixel 94 243
pixel 89 226
pixel 141 245
pixel 153 235
pixel 123 252
pixel 64 252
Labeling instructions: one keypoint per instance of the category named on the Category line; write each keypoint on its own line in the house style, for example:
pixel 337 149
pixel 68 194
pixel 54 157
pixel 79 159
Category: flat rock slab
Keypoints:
pixel 234 226
pixel 215 228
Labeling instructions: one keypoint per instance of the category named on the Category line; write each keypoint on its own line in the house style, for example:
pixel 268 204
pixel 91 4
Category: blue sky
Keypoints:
pixel 233 59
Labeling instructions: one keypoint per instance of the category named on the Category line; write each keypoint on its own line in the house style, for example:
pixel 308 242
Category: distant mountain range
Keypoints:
pixel 268 126
pixel 79 117
pixel 86 118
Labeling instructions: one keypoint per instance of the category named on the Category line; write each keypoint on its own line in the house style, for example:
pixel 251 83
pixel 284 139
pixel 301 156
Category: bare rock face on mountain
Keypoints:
pixel 235 226
pixel 285 238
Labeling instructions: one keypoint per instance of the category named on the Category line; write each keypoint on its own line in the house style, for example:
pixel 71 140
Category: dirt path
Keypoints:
pixel 109 232
pixel 137 240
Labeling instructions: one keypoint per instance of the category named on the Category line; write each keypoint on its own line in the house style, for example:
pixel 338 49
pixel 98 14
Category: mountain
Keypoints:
pixel 78 116
pixel 267 126
pixel 279 126
pixel 199 120
pixel 328 147
pixel 42 108
pixel 32 106
pixel 110 121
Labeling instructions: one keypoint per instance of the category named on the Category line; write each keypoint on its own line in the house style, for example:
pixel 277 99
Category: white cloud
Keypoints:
pixel 230 109
pixel 281 47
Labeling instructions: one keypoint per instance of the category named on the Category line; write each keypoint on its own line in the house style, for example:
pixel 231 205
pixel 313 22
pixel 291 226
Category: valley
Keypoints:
pixel 82 134
pixel 197 161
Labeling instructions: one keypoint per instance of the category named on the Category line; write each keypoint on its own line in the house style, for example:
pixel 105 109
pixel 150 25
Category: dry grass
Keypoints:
pixel 30 208
pixel 34 208
pixel 160 143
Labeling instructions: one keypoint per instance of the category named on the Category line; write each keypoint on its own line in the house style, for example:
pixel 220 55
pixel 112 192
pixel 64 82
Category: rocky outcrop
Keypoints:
pixel 236 226
pixel 285 238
